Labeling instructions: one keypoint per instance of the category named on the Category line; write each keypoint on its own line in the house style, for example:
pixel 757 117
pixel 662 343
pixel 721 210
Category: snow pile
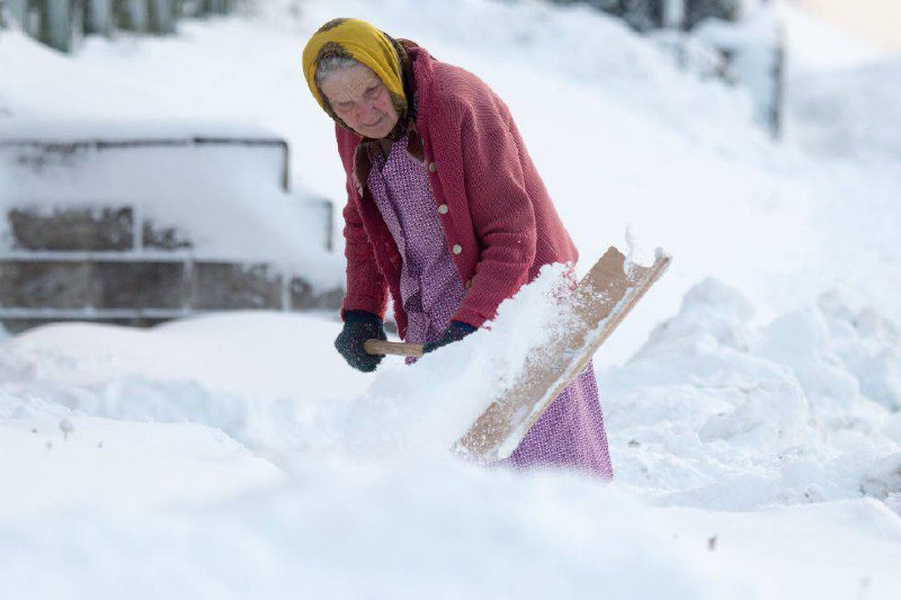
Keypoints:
pixel 715 412
pixel 704 416
pixel 119 373
pixel 869 345
pixel 426 408
pixel 229 372
pixel 67 463
pixel 340 531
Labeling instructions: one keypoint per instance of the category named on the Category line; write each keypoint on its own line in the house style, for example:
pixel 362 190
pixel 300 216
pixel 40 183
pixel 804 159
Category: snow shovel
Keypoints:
pixel 597 306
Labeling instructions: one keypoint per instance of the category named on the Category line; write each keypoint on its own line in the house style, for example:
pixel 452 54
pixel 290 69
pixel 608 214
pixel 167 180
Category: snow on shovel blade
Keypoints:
pixel 595 308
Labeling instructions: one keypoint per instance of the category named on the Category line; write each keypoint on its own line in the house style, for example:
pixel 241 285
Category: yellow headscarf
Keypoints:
pixel 362 42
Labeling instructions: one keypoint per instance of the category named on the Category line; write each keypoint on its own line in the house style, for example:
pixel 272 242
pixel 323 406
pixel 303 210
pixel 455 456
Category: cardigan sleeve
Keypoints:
pixel 366 286
pixel 503 215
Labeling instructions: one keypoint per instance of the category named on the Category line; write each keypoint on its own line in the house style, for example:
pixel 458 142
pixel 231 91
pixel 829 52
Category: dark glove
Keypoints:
pixel 359 326
pixel 456 331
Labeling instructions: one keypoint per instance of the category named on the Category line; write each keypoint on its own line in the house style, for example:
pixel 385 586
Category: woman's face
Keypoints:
pixel 359 97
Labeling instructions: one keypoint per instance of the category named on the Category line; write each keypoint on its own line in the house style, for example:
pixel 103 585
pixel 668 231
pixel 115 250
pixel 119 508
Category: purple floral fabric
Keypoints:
pixel 570 434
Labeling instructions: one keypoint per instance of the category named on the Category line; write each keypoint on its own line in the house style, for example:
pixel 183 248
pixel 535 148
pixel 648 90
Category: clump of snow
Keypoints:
pixel 426 408
pixel 715 411
pixel 883 481
pixel 869 345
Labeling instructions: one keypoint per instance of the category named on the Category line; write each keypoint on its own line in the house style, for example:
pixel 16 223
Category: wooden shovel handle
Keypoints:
pixel 375 347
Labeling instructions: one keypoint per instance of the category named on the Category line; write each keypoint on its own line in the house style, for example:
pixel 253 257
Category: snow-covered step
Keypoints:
pixel 146 221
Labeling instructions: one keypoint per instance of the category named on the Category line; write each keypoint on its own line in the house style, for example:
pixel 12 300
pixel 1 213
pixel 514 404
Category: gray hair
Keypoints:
pixel 331 64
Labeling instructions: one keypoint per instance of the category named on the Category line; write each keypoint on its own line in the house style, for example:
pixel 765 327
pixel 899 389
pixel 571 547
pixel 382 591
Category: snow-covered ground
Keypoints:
pixel 753 399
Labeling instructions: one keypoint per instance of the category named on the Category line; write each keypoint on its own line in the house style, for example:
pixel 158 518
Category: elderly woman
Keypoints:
pixel 445 212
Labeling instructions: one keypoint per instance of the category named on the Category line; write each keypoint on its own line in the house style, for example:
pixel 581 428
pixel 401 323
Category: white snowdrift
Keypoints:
pixel 704 416
pixel 717 413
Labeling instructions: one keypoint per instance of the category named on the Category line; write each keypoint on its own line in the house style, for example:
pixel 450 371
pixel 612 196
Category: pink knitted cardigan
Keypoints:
pixel 499 222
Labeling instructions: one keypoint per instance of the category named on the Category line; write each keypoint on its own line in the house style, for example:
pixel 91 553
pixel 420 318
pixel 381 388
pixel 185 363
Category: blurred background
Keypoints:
pixel 876 21
pixel 137 136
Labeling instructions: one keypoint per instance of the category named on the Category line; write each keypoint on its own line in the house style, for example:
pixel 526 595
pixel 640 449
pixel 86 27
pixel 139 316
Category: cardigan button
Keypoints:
pixel 468 284
pixel 457 249
pixel 433 167
pixel 443 209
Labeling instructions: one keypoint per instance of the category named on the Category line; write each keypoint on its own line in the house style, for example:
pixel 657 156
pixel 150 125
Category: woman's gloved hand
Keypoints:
pixel 359 326
pixel 456 331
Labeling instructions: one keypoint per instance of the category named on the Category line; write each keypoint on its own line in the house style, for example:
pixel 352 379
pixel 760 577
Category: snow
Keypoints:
pixel 865 125
pixel 753 397
pixel 743 418
pixel 206 181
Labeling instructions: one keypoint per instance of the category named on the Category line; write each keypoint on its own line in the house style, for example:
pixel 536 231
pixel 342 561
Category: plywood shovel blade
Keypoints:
pixel 595 308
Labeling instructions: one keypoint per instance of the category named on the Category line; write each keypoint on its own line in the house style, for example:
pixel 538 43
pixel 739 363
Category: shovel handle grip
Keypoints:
pixel 376 347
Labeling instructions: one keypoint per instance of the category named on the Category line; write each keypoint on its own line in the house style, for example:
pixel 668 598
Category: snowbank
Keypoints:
pixel 714 412
pixel 362 501
pixel 375 533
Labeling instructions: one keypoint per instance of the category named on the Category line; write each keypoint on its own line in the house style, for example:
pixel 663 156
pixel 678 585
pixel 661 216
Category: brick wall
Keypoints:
pixel 102 264
pixel 106 261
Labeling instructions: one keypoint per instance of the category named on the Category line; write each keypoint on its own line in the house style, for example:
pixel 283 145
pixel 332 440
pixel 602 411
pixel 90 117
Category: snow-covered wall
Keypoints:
pixel 220 186
pixel 223 187
pixel 133 221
